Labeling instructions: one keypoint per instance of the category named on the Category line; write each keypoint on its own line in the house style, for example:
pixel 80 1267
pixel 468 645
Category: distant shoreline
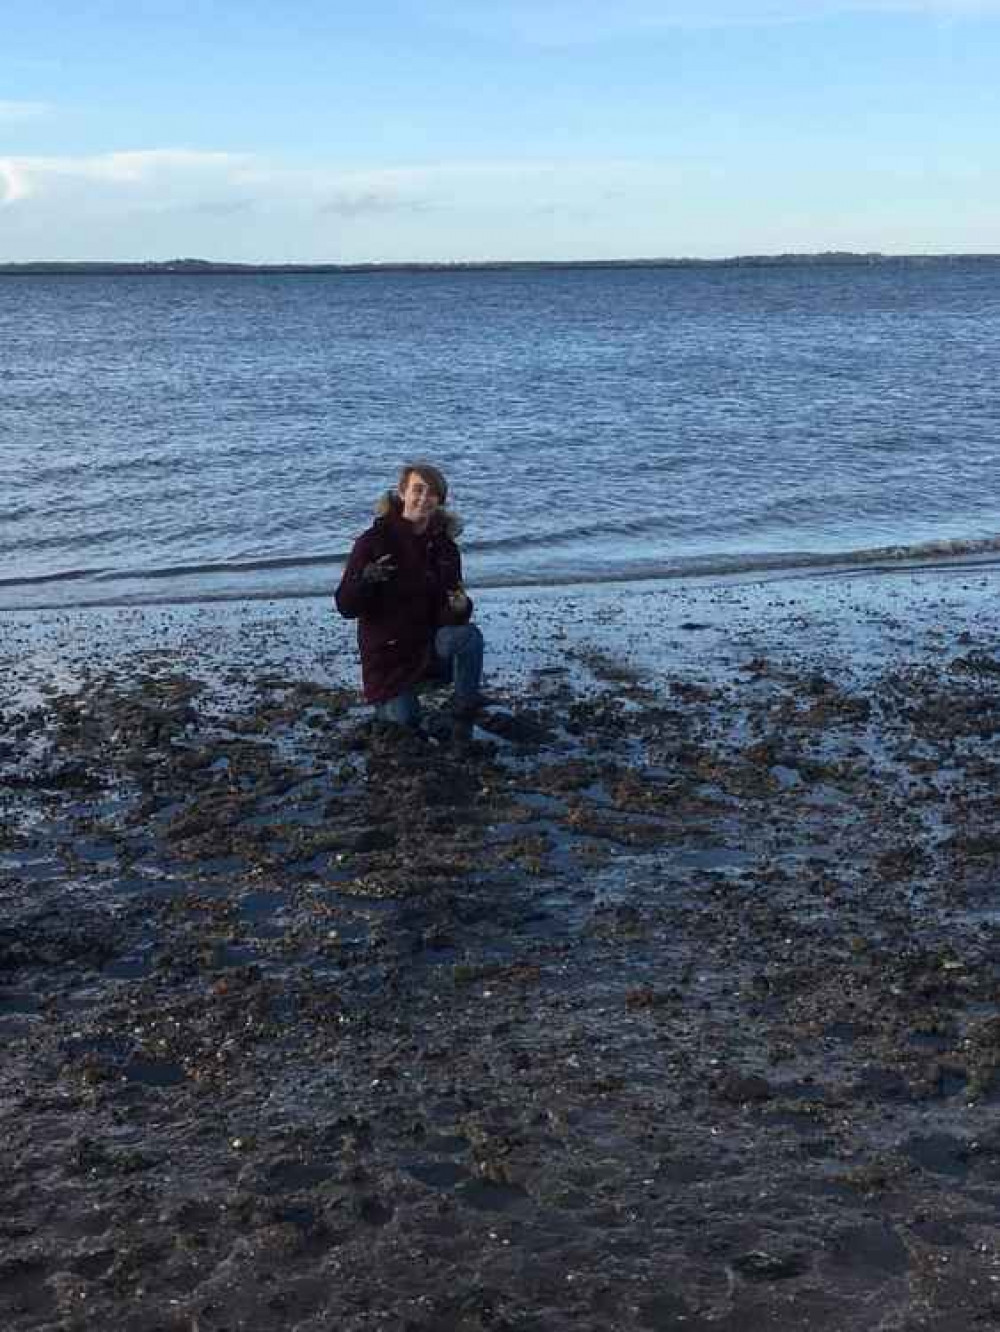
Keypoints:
pixel 209 268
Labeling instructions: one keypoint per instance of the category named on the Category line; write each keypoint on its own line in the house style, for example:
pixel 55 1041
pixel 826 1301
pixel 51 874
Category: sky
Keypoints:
pixel 352 131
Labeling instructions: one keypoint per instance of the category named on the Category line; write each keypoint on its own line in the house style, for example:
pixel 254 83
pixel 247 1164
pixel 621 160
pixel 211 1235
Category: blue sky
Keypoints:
pixel 479 129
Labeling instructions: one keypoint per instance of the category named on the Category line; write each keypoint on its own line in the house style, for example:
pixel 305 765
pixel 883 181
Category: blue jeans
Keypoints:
pixel 460 648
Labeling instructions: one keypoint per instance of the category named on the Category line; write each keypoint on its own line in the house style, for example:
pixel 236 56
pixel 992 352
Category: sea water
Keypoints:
pixel 177 437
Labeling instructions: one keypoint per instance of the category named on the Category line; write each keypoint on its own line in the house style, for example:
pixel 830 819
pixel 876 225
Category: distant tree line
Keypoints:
pixel 208 267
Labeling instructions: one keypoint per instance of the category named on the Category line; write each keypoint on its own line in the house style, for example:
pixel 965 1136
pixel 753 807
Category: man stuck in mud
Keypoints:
pixel 403 584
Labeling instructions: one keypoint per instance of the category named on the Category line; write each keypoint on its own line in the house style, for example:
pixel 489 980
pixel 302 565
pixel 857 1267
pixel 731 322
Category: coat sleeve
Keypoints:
pixel 449 573
pixel 353 597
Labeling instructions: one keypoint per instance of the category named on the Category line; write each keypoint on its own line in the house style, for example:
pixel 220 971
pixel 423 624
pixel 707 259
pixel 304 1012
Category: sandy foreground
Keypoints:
pixel 668 998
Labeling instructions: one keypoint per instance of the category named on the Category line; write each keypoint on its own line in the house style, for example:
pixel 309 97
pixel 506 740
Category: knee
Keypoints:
pixel 469 637
pixel 458 640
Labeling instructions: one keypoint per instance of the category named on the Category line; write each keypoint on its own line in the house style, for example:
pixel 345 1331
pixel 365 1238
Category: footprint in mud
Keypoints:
pixel 941 1231
pixel 438 1174
pixel 486 1196
pixel 687 1169
pixel 22 1292
pixel 871 1248
pixel 666 1312
pixel 291 1175
pixel 875 1083
pixel 516 728
pixel 374 1211
pixel 93 1265
pixel 939 1153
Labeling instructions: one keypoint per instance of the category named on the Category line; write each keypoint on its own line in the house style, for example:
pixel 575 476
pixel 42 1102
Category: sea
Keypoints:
pixel 173 438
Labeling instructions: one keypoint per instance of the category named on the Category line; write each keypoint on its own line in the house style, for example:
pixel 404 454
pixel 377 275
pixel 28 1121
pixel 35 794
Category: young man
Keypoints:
pixel 403 584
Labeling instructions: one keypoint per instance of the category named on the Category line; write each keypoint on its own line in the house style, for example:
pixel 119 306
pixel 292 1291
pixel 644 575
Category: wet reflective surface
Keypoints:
pixel 591 1019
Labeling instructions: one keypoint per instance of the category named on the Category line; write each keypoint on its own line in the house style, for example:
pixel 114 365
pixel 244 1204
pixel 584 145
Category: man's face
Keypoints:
pixel 419 500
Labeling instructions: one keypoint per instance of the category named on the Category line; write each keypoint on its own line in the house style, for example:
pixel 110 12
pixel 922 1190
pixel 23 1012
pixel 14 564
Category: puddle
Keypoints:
pixel 153 884
pixel 258 905
pixel 933 1041
pixel 216 866
pixel 37 869
pixel 713 858
pixel 225 955
pixel 844 1031
pixel 95 852
pixel 154 1072
pixel 132 966
pixel 438 1174
pixel 625 879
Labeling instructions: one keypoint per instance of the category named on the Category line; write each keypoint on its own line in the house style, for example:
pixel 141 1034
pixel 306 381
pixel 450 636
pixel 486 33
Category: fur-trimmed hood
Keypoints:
pixel 447 520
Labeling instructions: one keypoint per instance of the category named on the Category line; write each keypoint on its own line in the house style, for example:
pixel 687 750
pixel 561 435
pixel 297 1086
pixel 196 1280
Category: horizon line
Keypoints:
pixel 195 265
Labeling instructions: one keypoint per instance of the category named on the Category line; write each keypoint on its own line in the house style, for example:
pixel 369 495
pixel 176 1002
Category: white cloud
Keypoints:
pixel 16 112
pixel 155 171
pixel 13 183
pixel 217 184
pixel 141 167
pixel 157 203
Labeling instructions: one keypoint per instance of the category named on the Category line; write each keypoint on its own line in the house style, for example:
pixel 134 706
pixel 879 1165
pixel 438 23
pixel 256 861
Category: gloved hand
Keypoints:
pixel 379 571
pixel 458 602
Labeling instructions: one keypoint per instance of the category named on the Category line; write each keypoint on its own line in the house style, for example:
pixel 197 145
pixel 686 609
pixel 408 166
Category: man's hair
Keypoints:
pixel 433 476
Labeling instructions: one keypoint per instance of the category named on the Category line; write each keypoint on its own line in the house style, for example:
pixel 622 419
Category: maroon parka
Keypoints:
pixel 397 619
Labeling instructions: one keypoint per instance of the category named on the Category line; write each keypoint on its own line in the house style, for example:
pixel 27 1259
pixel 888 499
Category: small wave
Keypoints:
pixel 167 571
pixel 566 536
pixel 955 552
pixel 521 541
pixel 61 576
pixel 930 550
pixel 226 567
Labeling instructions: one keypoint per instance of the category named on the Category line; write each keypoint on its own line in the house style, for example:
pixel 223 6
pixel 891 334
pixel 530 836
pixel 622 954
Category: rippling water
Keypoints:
pixel 178 436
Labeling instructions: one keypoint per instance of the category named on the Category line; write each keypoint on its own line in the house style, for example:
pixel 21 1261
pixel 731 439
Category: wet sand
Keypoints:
pixel 669 997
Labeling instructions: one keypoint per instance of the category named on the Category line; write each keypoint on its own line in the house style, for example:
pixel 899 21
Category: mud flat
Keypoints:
pixel 667 998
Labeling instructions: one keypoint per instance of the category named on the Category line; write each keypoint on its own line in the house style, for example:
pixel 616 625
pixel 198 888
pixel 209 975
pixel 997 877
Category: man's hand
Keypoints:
pixel 379 571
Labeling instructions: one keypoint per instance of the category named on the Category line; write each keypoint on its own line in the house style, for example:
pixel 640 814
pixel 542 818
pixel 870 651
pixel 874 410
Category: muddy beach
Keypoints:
pixel 668 997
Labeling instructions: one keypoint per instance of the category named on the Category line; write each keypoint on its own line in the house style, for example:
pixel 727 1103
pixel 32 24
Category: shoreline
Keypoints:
pixel 308 630
pixel 945 557
pixel 669 998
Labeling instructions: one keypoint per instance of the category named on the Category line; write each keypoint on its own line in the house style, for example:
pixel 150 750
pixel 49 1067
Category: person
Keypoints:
pixel 403 585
